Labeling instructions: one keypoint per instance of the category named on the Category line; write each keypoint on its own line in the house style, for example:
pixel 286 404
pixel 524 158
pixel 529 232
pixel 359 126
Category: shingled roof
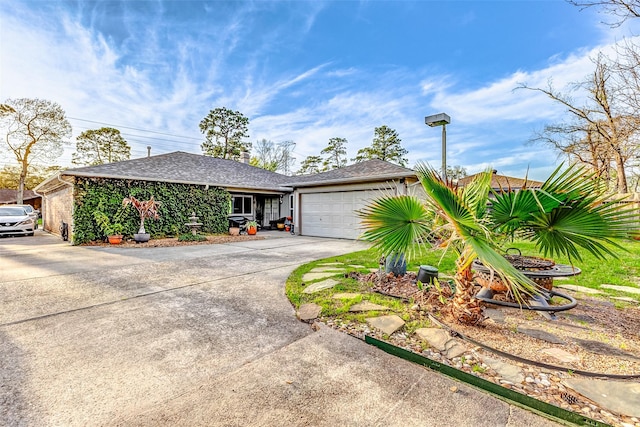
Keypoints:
pixel 197 169
pixel 370 170
pixel 503 182
pixel 11 196
pixel 188 168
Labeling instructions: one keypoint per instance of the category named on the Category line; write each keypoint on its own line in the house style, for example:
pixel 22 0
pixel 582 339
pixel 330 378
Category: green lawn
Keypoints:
pixel 624 271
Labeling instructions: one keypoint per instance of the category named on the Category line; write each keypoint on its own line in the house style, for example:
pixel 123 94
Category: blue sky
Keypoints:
pixel 307 71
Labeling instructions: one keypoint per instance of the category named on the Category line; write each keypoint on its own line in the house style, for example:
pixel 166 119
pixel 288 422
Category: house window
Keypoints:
pixel 242 205
pixel 291 205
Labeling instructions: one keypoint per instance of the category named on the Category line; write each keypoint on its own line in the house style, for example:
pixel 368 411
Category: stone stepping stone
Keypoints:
pixel 625 299
pixel 454 349
pixel 604 349
pixel 368 306
pixel 327 270
pixel 332 263
pixel 561 355
pixel 357 266
pixel 387 324
pixel 319 286
pixel 617 396
pixel 494 314
pixel 436 337
pixel 374 270
pixel 309 311
pixel 541 335
pixel 506 371
pixel 310 277
pixel 345 295
pixel 582 289
pixel 627 289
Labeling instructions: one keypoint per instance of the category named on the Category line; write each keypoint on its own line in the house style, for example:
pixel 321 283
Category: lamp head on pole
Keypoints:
pixel 437 120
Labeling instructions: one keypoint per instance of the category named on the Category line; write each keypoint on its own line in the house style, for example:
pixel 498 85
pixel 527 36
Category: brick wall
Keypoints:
pixel 57 207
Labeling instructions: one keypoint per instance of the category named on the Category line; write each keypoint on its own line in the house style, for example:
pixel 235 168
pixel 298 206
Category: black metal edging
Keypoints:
pixel 543 408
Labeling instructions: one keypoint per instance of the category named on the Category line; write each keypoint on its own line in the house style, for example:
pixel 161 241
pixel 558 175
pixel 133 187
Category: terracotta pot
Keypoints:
pixel 115 239
pixel 287 228
pixel 252 230
pixel 234 231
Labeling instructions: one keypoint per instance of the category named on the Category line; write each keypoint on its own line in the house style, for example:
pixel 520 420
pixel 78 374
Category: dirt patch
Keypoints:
pixel 173 241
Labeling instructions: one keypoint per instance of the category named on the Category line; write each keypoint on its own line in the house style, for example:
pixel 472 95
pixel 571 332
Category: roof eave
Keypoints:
pixel 354 180
pixel 281 189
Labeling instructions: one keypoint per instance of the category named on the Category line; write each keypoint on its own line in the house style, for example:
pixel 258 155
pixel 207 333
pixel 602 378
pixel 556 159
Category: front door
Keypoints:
pixel 271 210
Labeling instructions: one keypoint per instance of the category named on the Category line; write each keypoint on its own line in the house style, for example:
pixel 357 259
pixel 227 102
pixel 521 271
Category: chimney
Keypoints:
pixel 148 151
pixel 245 157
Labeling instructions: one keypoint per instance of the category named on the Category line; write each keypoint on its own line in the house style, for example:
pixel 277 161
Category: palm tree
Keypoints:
pixel 568 212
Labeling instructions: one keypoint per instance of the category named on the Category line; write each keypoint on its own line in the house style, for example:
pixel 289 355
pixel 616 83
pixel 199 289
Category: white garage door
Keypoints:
pixel 333 214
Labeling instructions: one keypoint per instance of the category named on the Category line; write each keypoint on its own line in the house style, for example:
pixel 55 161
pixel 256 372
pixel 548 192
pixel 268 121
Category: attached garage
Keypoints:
pixel 325 204
pixel 333 214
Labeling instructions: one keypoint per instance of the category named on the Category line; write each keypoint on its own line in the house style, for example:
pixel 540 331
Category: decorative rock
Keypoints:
pixel 561 355
pixel 494 314
pixel 454 349
pixel 627 289
pixel 316 287
pixel 309 311
pixel 345 295
pixel 387 324
pixel 436 337
pixel 508 372
pixel 368 306
pixel 541 335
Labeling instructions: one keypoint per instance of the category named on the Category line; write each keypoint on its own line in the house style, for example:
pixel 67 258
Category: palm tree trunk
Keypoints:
pixel 465 308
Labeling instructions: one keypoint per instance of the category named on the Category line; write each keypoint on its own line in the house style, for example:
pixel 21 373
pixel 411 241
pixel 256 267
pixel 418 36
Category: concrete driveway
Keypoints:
pixel 198 335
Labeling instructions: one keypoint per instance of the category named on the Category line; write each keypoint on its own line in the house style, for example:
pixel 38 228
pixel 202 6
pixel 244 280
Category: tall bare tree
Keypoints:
pixel 601 132
pixel 34 132
pixel 622 10
pixel 274 157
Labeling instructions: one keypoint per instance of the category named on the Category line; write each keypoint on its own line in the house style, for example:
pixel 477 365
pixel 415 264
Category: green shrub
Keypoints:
pixel 178 201
pixel 190 237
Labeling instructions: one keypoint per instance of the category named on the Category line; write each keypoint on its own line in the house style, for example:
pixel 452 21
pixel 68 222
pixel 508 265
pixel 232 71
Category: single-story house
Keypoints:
pixel 322 204
pixel 503 182
pixel 10 197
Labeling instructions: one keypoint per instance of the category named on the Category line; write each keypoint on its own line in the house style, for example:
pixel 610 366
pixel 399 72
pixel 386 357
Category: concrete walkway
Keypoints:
pixel 199 335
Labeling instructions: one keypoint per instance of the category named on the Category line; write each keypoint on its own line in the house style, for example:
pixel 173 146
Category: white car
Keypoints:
pixel 15 220
pixel 34 213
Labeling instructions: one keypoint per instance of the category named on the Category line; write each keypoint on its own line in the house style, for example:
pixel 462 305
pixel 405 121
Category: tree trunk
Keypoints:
pixel 465 308
pixel 621 175
pixel 21 183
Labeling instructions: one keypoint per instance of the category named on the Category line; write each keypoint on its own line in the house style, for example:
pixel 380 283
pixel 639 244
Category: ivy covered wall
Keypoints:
pixel 178 201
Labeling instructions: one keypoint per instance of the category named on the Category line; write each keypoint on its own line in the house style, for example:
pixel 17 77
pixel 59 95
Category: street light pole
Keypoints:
pixel 444 151
pixel 443 120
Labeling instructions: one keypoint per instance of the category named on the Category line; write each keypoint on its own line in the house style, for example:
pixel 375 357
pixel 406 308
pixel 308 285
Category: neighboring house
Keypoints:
pixel 10 197
pixel 320 204
pixel 503 183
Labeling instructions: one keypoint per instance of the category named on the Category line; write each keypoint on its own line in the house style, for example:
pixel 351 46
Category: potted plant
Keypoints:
pixel 252 227
pixel 569 211
pixel 146 209
pixel 112 230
